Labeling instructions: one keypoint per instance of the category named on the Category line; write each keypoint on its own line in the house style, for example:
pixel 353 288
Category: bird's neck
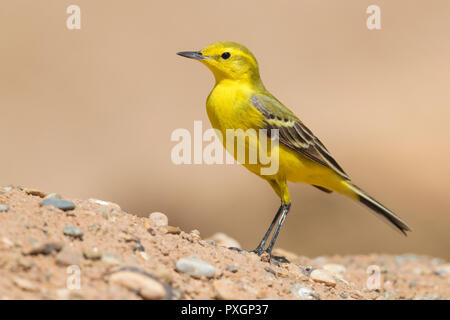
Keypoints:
pixel 254 84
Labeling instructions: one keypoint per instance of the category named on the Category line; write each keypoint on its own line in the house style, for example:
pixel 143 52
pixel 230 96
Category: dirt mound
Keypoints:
pixel 54 248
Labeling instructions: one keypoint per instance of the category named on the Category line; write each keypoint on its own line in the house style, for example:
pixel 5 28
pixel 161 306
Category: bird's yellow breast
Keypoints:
pixel 228 107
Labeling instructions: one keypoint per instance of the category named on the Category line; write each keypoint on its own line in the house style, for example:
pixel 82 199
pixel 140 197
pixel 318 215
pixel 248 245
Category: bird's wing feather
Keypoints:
pixel 293 133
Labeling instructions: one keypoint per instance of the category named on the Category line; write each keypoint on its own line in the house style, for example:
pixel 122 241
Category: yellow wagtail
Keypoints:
pixel 239 100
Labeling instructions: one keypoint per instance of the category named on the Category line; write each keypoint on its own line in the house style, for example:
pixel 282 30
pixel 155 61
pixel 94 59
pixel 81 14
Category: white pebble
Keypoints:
pixel 158 218
pixel 195 267
pixel 323 276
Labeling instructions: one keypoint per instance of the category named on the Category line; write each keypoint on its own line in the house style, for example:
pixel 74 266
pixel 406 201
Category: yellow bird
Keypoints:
pixel 239 100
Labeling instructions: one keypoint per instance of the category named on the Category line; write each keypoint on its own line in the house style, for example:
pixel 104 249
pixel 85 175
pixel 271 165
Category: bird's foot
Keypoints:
pixel 259 251
pixel 266 256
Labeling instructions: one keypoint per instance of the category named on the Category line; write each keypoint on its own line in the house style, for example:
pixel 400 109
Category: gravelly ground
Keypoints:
pixel 98 251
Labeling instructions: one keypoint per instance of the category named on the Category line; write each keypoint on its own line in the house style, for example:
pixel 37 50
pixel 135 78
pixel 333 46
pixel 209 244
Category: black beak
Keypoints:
pixel 192 55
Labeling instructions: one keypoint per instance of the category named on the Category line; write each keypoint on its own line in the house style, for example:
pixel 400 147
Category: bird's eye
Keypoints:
pixel 226 55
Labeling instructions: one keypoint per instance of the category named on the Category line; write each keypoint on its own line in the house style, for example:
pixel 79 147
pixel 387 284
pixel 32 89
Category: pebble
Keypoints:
pixel 159 219
pixel 37 193
pixel 92 254
pixel 233 269
pixel 195 267
pixel 106 203
pixel 3 208
pixel 145 286
pixel 66 257
pixel 73 232
pixel 172 230
pixel 64 205
pixel 306 270
pixel 8 242
pixel 334 268
pixel 25 284
pixel 225 289
pixel 111 258
pixel 53 196
pixel 303 293
pixel 144 256
pixel 322 276
pixel 222 239
pixel 270 270
pixel 45 249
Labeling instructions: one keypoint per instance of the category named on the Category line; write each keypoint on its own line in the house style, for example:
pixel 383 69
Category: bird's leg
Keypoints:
pixel 284 211
pixel 260 249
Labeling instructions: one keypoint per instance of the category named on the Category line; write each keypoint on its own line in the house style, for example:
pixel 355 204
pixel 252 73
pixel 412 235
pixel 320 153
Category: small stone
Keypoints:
pixel 36 193
pixel 343 295
pixel 66 257
pixel 25 284
pixel 8 242
pixel 322 276
pixel 270 270
pixel 3 208
pixel 303 293
pixel 334 268
pixel 92 254
pixel 225 289
pixel 64 205
pixel 232 269
pixel 172 230
pixel 196 232
pixel 144 256
pixel 222 239
pixel 53 196
pixel 195 267
pixel 306 270
pixel 159 219
pixel 73 232
pixel 45 249
pixel 145 286
pixel 106 203
pixel 111 258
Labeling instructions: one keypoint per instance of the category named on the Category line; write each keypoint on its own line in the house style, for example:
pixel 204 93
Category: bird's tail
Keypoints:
pixel 378 208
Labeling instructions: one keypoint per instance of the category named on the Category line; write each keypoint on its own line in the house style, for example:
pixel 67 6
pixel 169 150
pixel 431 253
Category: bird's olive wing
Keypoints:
pixel 293 133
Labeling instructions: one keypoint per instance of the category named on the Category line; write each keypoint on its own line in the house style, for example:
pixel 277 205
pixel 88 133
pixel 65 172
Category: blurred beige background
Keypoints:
pixel 89 113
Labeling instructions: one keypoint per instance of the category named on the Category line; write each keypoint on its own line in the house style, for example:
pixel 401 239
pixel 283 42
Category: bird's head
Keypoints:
pixel 227 60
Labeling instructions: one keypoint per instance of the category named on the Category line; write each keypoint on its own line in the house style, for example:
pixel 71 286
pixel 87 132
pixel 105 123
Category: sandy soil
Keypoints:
pixel 98 251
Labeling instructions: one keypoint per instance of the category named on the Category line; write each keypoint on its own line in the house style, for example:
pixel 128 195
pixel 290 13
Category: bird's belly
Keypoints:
pixel 299 169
